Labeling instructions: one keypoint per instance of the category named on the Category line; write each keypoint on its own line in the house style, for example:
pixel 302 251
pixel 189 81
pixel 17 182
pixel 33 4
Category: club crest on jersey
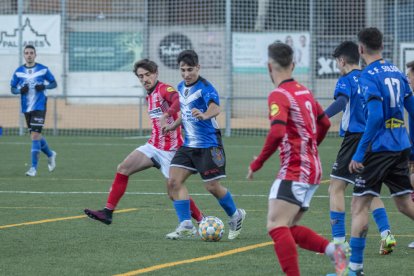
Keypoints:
pixel 274 109
pixel 218 156
pixel 170 89
pixel 186 92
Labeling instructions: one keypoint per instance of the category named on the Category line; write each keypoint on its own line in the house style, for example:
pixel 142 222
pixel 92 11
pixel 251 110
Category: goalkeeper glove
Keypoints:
pixel 40 87
pixel 24 89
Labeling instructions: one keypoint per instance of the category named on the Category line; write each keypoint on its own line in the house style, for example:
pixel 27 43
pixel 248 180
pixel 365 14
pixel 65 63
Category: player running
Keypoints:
pixel 383 152
pixel 352 127
pixel 163 105
pixel 297 126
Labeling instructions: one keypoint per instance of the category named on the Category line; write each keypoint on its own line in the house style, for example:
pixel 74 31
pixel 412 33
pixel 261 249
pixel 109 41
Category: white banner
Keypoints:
pixel 41 31
pixel 406 54
pixel 250 50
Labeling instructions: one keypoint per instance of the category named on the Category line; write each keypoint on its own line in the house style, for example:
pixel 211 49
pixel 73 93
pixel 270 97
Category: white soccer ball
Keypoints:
pixel 211 229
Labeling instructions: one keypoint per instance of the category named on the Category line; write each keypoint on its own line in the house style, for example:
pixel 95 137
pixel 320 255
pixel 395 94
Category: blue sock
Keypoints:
pixel 35 152
pixel 357 249
pixel 45 147
pixel 381 219
pixel 182 208
pixel 228 204
pixel 337 224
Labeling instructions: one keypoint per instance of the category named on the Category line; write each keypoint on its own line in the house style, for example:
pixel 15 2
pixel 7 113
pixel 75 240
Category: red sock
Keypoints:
pixel 117 190
pixel 195 212
pixel 308 239
pixel 285 249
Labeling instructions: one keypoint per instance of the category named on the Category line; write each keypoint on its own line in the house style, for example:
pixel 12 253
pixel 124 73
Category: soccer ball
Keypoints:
pixel 211 229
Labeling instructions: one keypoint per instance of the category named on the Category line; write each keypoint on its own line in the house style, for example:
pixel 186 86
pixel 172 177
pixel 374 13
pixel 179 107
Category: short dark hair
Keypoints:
pixel 29 47
pixel 281 53
pixel 147 64
pixel 189 57
pixel 349 51
pixel 410 65
pixel 371 38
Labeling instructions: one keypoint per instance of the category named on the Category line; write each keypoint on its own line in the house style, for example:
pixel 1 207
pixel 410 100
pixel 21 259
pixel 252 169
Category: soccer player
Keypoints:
pixel 383 151
pixel 202 150
pixel 31 81
pixel 410 74
pixel 352 127
pixel 163 105
pixel 297 125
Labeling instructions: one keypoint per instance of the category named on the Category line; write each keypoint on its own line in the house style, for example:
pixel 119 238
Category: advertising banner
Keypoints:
pixel 41 31
pixel 104 51
pixel 250 50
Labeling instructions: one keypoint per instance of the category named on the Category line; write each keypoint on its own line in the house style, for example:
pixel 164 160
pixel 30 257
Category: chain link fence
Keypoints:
pixel 90 46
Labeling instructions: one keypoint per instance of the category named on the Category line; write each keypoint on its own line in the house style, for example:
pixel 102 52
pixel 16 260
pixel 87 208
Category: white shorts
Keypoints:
pixel 161 158
pixel 294 192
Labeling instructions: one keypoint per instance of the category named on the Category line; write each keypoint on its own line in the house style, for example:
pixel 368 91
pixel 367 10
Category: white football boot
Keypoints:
pixel 184 230
pixel 51 161
pixel 236 223
pixel 31 172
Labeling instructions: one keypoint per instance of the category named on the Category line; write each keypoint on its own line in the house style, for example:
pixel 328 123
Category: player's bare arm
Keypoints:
pixel 250 171
pixel 212 111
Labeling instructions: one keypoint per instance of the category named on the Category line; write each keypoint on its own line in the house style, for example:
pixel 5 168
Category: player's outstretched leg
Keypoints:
pixel 116 192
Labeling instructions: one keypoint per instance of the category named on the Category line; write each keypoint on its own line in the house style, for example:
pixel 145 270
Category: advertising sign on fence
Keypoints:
pixel 104 51
pixel 406 54
pixel 250 50
pixel 41 31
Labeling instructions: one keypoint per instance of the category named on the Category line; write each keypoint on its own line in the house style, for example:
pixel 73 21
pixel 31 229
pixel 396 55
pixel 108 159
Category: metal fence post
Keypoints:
pixel 229 64
pixel 141 133
pixel 20 19
pixel 55 116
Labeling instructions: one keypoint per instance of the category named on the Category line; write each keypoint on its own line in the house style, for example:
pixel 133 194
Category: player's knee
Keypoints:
pixel 336 188
pixel 172 185
pixel 121 169
pixel 212 189
pixel 272 224
pixel 216 189
pixel 35 135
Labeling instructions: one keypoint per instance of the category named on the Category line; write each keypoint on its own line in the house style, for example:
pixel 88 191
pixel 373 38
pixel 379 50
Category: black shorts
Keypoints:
pixel 388 167
pixel 348 148
pixel 35 120
pixel 209 162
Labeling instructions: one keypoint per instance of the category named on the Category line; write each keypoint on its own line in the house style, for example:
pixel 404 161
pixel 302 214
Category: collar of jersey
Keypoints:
pixel 191 84
pixel 31 66
pixel 284 81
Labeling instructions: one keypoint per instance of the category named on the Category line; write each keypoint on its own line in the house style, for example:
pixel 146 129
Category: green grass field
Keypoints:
pixel 43 230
